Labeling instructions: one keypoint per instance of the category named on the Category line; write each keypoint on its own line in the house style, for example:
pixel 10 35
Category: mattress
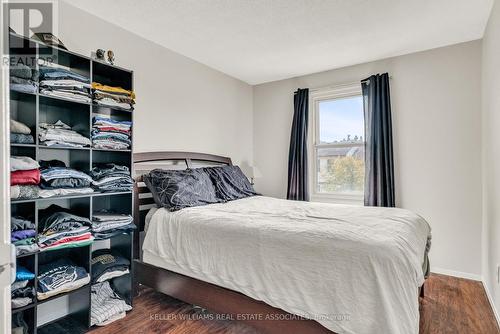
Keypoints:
pixel 352 269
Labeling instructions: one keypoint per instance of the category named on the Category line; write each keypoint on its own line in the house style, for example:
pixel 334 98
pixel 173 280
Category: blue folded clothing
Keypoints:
pixel 57 73
pixel 23 274
pixel 56 274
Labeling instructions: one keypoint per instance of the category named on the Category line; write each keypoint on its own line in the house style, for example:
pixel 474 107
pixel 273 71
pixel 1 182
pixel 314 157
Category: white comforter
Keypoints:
pixel 353 269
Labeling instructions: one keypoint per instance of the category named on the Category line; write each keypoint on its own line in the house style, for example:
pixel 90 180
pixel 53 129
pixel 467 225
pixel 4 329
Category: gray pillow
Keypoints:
pixel 230 183
pixel 178 189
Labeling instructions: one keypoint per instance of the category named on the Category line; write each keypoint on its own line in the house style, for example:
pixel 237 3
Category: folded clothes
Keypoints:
pixel 112 274
pixel 45 193
pixel 60 276
pixel 18 127
pixel 111 177
pixel 60 82
pixel 68 84
pixel 70 242
pixel 24 72
pixel 70 95
pixel 115 97
pixel 27 291
pixel 108 124
pixel 22 163
pixel 106 304
pixel 23 274
pixel 18 223
pixel 22 234
pixel 63 177
pixel 56 219
pixel 111 134
pixel 25 177
pixel 22 249
pixel 105 261
pixel 21 138
pixel 110 144
pixel 20 302
pixel 23 78
pixel 105 221
pixel 61 134
pixel 62 229
pixel 24 192
pixel 18 285
pixel 107 234
pixel 59 73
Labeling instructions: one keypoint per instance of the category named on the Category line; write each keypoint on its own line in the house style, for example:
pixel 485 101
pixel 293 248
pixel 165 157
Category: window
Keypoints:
pixel 338 144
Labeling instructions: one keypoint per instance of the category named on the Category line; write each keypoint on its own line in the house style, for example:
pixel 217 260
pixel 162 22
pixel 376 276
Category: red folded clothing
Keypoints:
pixel 21 177
pixel 112 129
pixel 67 240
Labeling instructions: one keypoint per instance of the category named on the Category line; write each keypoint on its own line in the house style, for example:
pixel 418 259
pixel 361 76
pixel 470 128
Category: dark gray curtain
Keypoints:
pixel 379 164
pixel 297 155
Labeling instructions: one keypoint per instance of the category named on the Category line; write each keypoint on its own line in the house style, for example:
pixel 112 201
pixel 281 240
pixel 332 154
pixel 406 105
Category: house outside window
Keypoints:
pixel 337 146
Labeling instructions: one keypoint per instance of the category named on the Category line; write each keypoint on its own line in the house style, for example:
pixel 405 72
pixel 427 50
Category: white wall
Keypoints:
pixel 437 134
pixel 182 105
pixel 491 155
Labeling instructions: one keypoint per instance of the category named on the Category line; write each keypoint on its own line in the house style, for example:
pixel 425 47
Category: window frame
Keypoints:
pixel 315 97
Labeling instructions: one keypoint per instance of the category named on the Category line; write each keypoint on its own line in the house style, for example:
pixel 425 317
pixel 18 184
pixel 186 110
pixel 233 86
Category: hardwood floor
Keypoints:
pixel 451 305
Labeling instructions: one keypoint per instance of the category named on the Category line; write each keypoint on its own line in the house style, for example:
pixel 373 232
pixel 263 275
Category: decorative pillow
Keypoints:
pixel 230 183
pixel 178 189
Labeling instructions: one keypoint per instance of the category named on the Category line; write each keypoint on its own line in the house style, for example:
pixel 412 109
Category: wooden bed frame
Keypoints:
pixel 229 303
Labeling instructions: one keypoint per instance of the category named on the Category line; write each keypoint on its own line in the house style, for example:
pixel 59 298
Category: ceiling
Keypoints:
pixel 266 40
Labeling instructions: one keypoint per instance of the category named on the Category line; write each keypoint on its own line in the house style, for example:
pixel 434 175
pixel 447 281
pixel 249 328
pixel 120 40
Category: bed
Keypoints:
pixel 282 266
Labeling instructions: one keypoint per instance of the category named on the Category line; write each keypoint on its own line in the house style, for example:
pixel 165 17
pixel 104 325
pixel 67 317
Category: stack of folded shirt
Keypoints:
pixel 108 133
pixel 23 78
pixel 60 276
pixel 107 306
pixel 107 224
pixel 108 264
pixel 22 295
pixel 24 176
pixel 111 177
pixel 20 133
pixel 60 82
pixel 60 134
pixel 59 180
pixel 114 97
pixel 62 229
pixel 23 235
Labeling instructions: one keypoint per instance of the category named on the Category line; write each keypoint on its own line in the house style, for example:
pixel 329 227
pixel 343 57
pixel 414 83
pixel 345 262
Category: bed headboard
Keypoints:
pixel 146 161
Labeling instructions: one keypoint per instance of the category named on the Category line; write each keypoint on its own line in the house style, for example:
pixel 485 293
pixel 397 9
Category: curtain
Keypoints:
pixel 297 156
pixel 379 164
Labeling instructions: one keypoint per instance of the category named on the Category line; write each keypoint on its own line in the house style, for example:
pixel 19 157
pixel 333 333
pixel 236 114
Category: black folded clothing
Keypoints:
pixel 108 264
pixel 111 177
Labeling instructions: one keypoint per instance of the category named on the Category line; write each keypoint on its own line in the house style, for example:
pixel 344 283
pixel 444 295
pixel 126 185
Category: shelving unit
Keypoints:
pixel 34 108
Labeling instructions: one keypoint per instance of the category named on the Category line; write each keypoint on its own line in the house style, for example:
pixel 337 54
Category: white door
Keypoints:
pixel 5 254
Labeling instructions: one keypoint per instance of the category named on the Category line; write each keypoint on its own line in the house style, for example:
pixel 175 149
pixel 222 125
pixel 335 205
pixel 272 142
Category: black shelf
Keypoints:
pixel 60 295
pixel 63 99
pixel 26 255
pixel 35 108
pixel 24 308
pixel 94 194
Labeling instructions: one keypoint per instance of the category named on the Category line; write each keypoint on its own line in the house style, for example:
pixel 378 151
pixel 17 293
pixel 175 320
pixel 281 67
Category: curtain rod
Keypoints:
pixel 340 85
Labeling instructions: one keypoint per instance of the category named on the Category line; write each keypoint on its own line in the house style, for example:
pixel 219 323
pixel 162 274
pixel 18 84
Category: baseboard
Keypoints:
pixel 490 299
pixel 457 274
